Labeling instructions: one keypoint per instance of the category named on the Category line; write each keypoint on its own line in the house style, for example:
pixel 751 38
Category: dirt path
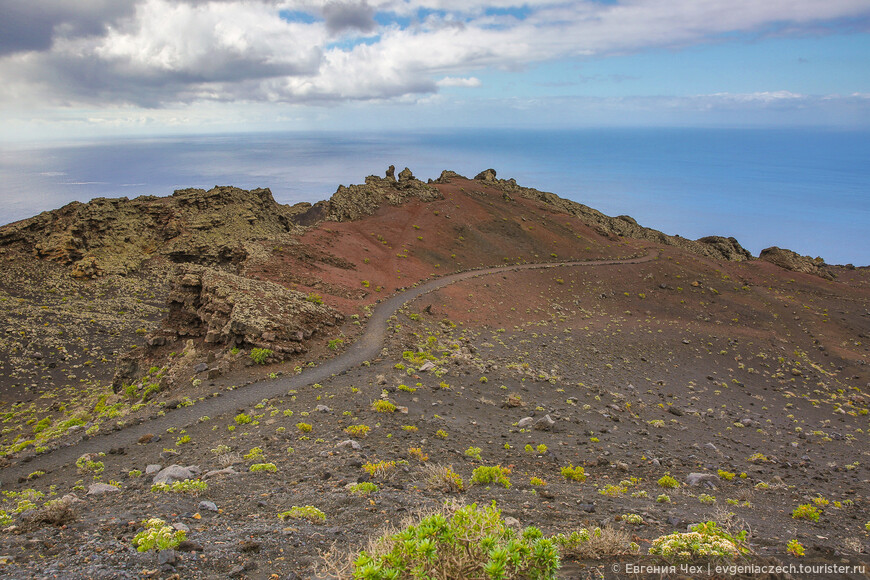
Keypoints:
pixel 367 347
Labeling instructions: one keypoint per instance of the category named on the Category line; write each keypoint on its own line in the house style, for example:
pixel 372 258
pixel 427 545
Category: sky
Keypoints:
pixel 86 69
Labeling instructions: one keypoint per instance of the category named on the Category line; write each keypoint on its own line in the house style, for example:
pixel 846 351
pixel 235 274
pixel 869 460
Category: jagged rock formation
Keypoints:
pixel 114 236
pixel 355 201
pixel 716 247
pixel 226 309
pixel 793 261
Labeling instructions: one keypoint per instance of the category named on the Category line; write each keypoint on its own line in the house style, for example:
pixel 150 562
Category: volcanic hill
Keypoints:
pixel 217 330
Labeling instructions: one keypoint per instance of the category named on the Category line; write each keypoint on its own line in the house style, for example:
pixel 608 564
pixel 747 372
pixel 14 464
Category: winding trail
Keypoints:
pixel 366 347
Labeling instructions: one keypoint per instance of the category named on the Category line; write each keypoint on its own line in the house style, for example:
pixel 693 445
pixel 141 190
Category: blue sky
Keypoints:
pixel 96 68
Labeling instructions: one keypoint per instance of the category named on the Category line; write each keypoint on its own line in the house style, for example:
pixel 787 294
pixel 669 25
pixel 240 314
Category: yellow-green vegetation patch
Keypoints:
pixel 706 541
pixel 486 474
pixel 157 536
pixel 305 512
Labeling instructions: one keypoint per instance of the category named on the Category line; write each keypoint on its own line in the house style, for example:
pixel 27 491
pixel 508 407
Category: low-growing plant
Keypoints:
pixel 441 434
pixel 668 482
pixel 260 355
pixel 191 486
pixel 254 454
pixel 305 512
pixel 383 406
pixel 705 541
pixel 86 464
pixel 572 473
pixel 794 548
pixel 242 419
pixel 443 478
pixel 379 470
pixel 491 474
pixel 418 454
pixel 357 430
pixel 304 427
pixel 157 536
pixel 270 467
pixel 663 498
pixel 635 519
pixel 537 482
pixel 706 498
pixel 364 488
pixel 806 512
pixel 595 544
pixel 473 452
pixel 464 542
pixel 726 475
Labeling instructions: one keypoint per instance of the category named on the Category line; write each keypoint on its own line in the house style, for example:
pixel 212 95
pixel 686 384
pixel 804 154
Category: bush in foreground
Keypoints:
pixel 465 542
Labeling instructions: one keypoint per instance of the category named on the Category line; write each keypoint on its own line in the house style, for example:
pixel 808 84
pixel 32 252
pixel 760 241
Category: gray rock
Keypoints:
pixel 152 468
pixel 322 409
pixel 512 522
pixel 349 443
pixel 219 472
pixel 208 506
pixel 175 473
pixel 545 423
pixel 181 527
pixel 707 479
pixel 427 366
pixel 102 488
pixel 168 557
pixel 200 368
pixel 525 422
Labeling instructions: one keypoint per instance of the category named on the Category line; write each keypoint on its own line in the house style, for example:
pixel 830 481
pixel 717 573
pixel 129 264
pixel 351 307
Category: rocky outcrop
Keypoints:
pixel 226 309
pixel 711 247
pixel 115 236
pixel 793 261
pixel 355 201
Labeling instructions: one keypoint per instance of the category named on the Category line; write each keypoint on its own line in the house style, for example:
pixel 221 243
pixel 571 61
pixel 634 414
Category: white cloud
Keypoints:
pixel 459 82
pixel 160 53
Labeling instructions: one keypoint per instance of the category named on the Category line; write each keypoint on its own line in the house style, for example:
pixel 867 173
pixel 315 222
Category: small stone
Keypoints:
pixel 200 368
pixel 512 522
pixel 152 468
pixel 102 489
pixel 525 422
pixel 145 439
pixel 168 557
pixel 181 527
pixel 208 506
pixel 349 443
pixel 219 472
pixel 545 423
pixel 322 409
pixel 427 366
pixel 707 479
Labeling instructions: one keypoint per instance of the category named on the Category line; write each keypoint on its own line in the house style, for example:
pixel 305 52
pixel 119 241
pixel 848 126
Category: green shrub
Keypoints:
pixel 259 355
pixel 473 452
pixel 192 486
pixel 380 470
pixel 668 482
pixel 305 512
pixel 254 454
pixel 383 406
pixel 242 419
pixel 574 473
pixel 364 488
pixel 314 298
pixel 263 467
pixel 706 541
pixel 491 474
pixel 357 430
pixel 806 512
pixel 469 543
pixel 157 536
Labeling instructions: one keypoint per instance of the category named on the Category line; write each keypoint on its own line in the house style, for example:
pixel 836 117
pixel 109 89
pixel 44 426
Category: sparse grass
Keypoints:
pixel 443 478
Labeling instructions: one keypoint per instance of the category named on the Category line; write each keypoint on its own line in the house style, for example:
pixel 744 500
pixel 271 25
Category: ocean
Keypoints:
pixel 803 189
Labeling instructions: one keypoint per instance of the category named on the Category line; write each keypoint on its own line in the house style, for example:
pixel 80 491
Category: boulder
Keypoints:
pixel 175 473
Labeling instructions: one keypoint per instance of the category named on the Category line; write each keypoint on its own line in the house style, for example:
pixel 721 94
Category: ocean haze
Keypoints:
pixel 804 189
